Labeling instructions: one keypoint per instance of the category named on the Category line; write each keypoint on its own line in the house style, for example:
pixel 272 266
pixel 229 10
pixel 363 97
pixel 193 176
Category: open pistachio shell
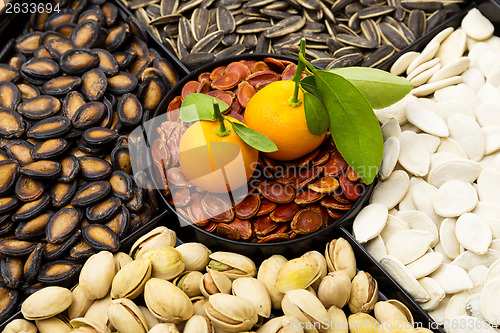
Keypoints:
pixel 268 274
pixel 97 275
pixel 195 255
pixel 121 259
pixel 231 313
pixel 88 325
pixel 198 324
pixel 189 282
pixel 151 320
pixel 215 282
pixel 98 311
pixel 57 324
pixel 126 317
pixel 233 265
pixel 20 326
pixel 284 324
pixel 130 280
pixel 362 322
pixel 322 264
pixel 81 303
pixel 335 289
pixel 164 328
pixel 340 257
pixel 166 261
pixel 174 309
pixel 306 307
pixel 392 311
pixel 298 273
pixel 255 292
pixel 46 303
pixel 157 237
pixel 364 293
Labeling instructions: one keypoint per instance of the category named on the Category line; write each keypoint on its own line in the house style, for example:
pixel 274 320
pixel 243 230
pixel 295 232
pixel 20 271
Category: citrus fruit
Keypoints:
pixel 269 113
pixel 216 163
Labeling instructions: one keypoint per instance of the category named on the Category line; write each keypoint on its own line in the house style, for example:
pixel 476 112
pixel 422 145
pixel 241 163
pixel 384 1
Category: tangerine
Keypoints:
pixel 218 164
pixel 270 113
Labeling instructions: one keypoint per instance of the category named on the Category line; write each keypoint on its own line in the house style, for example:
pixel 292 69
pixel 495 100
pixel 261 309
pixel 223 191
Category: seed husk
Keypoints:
pixel 39 107
pixel 57 47
pixel 11 270
pixel 101 238
pixel 88 115
pixel 225 20
pixel 78 61
pixel 117 36
pixel 33 264
pixel 137 201
pixel 8 174
pixel 151 93
pixel 122 83
pixel 61 85
pixel 32 209
pixel 28 43
pixel 94 84
pixel 86 34
pixel 9 96
pixel 55 251
pixel 11 124
pixel 120 223
pixel 28 90
pixel 20 150
pixel 70 166
pixel 93 168
pixel 120 159
pixel 33 229
pixel 346 60
pixel 43 68
pixel 60 272
pixel 107 62
pixel 254 27
pixel 99 136
pixel 10 299
pixel 91 193
pixel 28 189
pixel 16 248
pixel 42 169
pixel 49 149
pixel 50 128
pixel 62 193
pixel 8 74
pixel 62 225
pixel 231 51
pixel 121 185
pixel 7 204
pixel 103 211
pixel 374 11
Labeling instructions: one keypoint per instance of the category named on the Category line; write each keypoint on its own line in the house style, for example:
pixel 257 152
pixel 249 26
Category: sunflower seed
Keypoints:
pixel 195 60
pixel 231 51
pixel 285 27
pixel 383 53
pixel 188 5
pixel 313 15
pixel 417 22
pixel 225 20
pixel 168 7
pixel 263 44
pixel 339 5
pixel 185 35
pixel 370 12
pixel 393 36
pixel 346 50
pixel 208 43
pixel 199 23
pixel 370 31
pixel 425 5
pixel 356 41
pixel 435 19
pixel 258 3
pixel 276 14
pixel 346 60
pixel 230 39
pixel 167 19
pixel 249 41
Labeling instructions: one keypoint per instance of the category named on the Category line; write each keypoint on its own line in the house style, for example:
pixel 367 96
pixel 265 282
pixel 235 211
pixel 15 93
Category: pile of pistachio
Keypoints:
pixel 190 289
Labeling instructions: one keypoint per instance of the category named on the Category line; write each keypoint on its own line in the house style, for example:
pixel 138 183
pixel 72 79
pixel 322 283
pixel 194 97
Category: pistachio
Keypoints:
pixel 46 303
pixel 195 255
pixel 340 257
pixel 121 259
pixel 97 275
pixel 392 311
pixel 283 324
pixel 215 282
pixel 198 324
pixel 126 317
pixel 335 289
pixel 189 282
pixel 200 303
pixel 307 308
pixel 130 280
pixel 268 273
pixel 233 265
pixel 81 303
pixel 83 329
pixel 298 273
pixel 19 326
pixel 57 324
pixel 89 325
pixel 322 264
pixel 174 309
pixel 362 322
pixel 158 237
pixel 255 292
pixel 164 328
pixel 151 320
pixel 337 321
pixel 364 293
pixel 166 261
pixel 98 311
pixel 231 313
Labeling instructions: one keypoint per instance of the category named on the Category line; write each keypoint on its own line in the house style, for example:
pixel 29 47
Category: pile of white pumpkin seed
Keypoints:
pixel 339 33
pixel 190 289
pixel 434 218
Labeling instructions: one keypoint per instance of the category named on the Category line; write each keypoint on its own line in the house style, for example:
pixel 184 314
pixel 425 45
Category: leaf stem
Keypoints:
pixel 302 59
pixel 294 100
pixel 222 130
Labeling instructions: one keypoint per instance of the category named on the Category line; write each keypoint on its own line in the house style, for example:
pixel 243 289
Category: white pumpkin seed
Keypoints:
pixel 494 76
pixel 376 247
pixel 413 155
pixel 491 139
pixel 473 78
pixel 487 61
pixel 451 278
pixel 477 50
pixel 369 222
pixel 391 128
pixel 400 65
pixel 409 245
pixel 430 88
pixel 423 197
pixel 448 108
pixel 468 259
pixel 457 169
pixel 419 221
pixel 389 158
pixel 488 185
pixel 488 114
pixel 427 54
pixel 473 233
pixel 448 239
pixel 441 36
pixel 431 141
pixel 493 272
pixel 394 111
pixel 438 314
pixel 402 275
pixel 459 92
pixel 393 226
pixel 468 134
pixel 495 245
pixel 422 68
pixel 454 68
pixel 455 198
pixel 453 47
pixel 425 75
pixel 449 145
pixel 434 290
pixel 488 93
pixel 425 265
pixel 477 275
pixel 454 309
pixel 428 121
pixel 391 191
pixel 489 302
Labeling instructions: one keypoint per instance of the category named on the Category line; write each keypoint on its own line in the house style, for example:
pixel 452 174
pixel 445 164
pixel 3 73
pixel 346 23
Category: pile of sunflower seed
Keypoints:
pixel 339 33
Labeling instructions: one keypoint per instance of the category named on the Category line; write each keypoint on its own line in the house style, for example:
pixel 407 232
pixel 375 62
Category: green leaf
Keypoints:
pixel 380 88
pixel 307 83
pixel 353 124
pixel 253 138
pixel 198 106
pixel 316 115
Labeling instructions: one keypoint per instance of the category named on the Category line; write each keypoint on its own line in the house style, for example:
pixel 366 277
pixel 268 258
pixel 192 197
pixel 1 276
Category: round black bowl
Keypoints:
pixel 187 231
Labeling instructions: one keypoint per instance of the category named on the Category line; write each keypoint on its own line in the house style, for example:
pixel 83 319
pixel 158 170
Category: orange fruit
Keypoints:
pixel 214 163
pixel 269 113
